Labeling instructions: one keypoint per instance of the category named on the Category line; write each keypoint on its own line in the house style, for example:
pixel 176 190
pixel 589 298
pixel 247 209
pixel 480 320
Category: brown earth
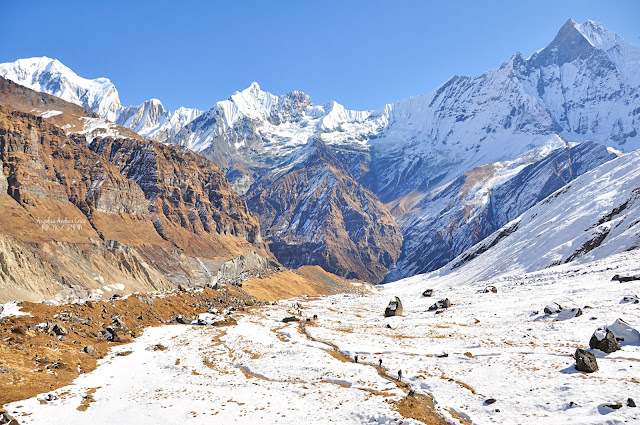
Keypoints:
pixel 129 212
pixel 34 361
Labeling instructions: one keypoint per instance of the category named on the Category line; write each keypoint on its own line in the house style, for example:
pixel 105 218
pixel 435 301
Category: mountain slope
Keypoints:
pixel 80 222
pixel 593 217
pixel 316 213
pixel 441 224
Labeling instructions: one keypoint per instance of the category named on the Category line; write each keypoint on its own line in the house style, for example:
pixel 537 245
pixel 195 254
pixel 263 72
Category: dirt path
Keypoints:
pixel 413 405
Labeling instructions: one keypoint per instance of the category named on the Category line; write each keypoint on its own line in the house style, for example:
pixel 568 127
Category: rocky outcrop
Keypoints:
pixel 76 224
pixel 585 361
pixel 316 213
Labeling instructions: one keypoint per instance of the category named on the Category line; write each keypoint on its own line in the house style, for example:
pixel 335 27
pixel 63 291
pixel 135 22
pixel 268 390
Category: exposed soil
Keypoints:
pixel 35 360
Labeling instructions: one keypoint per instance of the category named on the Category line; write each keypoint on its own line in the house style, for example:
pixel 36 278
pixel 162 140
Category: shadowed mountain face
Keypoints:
pixel 316 213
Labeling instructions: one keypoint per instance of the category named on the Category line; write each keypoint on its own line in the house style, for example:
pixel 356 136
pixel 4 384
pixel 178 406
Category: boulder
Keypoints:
pixel 633 299
pixel 569 313
pixel 90 350
pixel 185 320
pixel 489 289
pixel 625 278
pixel 604 340
pixel 631 403
pixel 59 330
pixel 290 319
pixel 553 308
pixel 585 361
pixel 624 333
pixel 444 303
pixel 427 293
pixel 7 419
pixel 117 334
pixel 394 308
pixel 119 322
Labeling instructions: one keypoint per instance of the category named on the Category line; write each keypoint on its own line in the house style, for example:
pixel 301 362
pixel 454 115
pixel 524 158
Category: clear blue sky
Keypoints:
pixel 361 53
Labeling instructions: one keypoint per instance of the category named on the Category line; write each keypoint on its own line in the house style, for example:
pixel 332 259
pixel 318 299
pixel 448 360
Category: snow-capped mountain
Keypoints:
pixel 151 120
pixel 437 160
pixel 99 95
pixel 50 76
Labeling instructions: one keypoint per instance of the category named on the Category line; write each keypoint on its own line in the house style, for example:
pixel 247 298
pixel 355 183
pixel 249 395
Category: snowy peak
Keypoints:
pixel 568 45
pixel 46 75
pixel 50 76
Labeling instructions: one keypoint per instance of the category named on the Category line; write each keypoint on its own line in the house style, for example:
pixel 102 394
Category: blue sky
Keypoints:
pixel 361 53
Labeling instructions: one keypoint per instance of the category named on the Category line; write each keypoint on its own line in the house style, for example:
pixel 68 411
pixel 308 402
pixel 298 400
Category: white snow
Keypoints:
pixel 11 309
pixel 487 345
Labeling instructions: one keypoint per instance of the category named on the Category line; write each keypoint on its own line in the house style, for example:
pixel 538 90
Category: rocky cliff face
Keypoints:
pixel 75 224
pixel 316 213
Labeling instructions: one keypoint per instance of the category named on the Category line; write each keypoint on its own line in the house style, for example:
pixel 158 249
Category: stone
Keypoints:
pixel 625 278
pixel 585 361
pixel 427 293
pixel 119 322
pixel 124 353
pixel 444 303
pixel 604 341
pixel 569 313
pixel 631 403
pixel 185 320
pixel 624 333
pixel 394 308
pixel 116 334
pixel 59 330
pixel 553 308
pixel 633 299
pixel 90 350
pixel 614 406
pixel 7 419
pixel 490 401
pixel 490 289
pixel 290 319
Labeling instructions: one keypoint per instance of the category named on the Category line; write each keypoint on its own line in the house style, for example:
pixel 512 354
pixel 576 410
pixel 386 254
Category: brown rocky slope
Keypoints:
pixel 317 213
pixel 74 224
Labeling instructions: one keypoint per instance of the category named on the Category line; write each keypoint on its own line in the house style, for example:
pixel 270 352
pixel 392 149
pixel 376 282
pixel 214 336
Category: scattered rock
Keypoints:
pixel 614 406
pixel 145 299
pixel 604 341
pixel 115 297
pixel 444 303
pixel 490 401
pixel 290 319
pixel 585 361
pixel 427 293
pixel 553 308
pixel 50 397
pixel 116 334
pixel 442 355
pixel 633 299
pixel 90 350
pixel 124 353
pixel 394 308
pixel 7 419
pixel 625 278
pixel 489 289
pixel 569 313
pixel 185 320
pixel 119 322
pixel 159 347
pixel 59 330
pixel 182 288
pixel 631 403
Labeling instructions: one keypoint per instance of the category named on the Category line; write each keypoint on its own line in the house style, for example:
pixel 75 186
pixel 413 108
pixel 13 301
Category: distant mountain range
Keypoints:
pixel 406 188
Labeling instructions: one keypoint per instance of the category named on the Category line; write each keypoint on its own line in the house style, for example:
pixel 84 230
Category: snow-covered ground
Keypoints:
pixel 487 345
